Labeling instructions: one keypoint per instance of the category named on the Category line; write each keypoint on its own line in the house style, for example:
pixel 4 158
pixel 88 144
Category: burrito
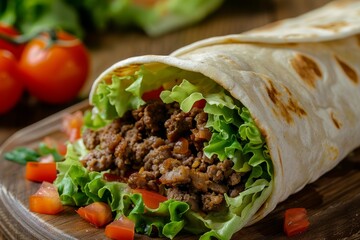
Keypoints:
pixel 225 128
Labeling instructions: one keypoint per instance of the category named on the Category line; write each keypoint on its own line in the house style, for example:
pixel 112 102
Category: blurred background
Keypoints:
pixel 59 47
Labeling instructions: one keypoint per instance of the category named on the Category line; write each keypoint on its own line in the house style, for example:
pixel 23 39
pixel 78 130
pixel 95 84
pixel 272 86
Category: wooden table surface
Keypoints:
pixel 233 17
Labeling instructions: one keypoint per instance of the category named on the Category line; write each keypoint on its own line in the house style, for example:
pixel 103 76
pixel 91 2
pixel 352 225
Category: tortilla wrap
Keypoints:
pixel 300 80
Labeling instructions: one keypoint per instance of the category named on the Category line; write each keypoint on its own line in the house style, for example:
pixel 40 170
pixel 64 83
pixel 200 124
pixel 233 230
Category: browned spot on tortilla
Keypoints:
pixel 333 152
pixel 272 92
pixel 280 162
pixel 343 3
pixel 299 35
pixel 336 122
pixel 227 60
pixel 307 69
pixel 261 129
pixel 284 108
pixel 358 39
pixel 288 91
pixel 349 71
pixel 334 26
pixel 230 41
pixel 294 107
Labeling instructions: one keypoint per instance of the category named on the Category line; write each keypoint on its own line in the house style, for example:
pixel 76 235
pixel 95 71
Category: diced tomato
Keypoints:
pixel 41 171
pixel 62 149
pixel 74 134
pixel 47 159
pixel 97 213
pixel 72 125
pixel 296 221
pixel 151 199
pixel 55 144
pixel 46 200
pixel 200 103
pixel 121 229
pixel 152 95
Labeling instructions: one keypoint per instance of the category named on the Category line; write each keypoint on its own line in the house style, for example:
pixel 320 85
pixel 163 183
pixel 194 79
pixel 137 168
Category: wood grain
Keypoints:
pixel 333 201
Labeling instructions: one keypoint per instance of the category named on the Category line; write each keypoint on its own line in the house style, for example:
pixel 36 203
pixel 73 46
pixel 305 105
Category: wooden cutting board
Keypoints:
pixel 333 201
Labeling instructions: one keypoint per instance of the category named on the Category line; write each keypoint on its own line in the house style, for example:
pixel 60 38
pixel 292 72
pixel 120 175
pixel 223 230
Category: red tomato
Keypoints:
pixel 41 171
pixel 121 229
pixel 11 87
pixel 47 159
pixel 152 95
pixel 61 148
pixel 72 124
pixel 151 199
pixel 55 74
pixel 46 200
pixel 200 103
pixel 296 221
pixel 9 31
pixel 97 213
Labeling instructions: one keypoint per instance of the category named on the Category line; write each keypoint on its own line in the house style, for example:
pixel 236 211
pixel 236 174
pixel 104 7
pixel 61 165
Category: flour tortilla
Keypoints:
pixel 300 79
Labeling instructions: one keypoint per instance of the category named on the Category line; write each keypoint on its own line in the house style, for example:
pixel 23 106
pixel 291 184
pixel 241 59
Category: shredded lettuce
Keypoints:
pixel 234 136
pixel 124 93
pixel 79 187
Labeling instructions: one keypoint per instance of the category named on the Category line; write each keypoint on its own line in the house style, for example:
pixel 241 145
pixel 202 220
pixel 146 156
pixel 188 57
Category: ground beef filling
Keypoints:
pixel 160 148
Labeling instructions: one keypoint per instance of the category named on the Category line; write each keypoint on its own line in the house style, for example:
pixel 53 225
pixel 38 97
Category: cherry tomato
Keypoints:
pixel 97 213
pixel 121 229
pixel 9 31
pixel 296 221
pixel 41 171
pixel 11 86
pixel 151 199
pixel 55 74
pixel 46 200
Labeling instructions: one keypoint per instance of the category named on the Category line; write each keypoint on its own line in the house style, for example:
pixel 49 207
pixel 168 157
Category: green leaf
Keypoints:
pixel 234 136
pixel 22 155
pixel 44 150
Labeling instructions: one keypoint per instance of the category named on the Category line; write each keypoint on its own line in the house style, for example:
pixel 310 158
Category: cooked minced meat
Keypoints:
pixel 160 148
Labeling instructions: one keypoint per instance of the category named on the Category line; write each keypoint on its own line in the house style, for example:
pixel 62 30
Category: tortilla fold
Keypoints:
pixel 300 80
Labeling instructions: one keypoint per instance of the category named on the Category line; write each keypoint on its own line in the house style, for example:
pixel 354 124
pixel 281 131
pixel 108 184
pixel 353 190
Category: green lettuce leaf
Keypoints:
pixel 124 93
pixel 234 136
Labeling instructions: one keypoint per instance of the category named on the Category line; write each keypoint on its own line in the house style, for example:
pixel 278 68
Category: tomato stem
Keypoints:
pixel 22 39
pixel 52 38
